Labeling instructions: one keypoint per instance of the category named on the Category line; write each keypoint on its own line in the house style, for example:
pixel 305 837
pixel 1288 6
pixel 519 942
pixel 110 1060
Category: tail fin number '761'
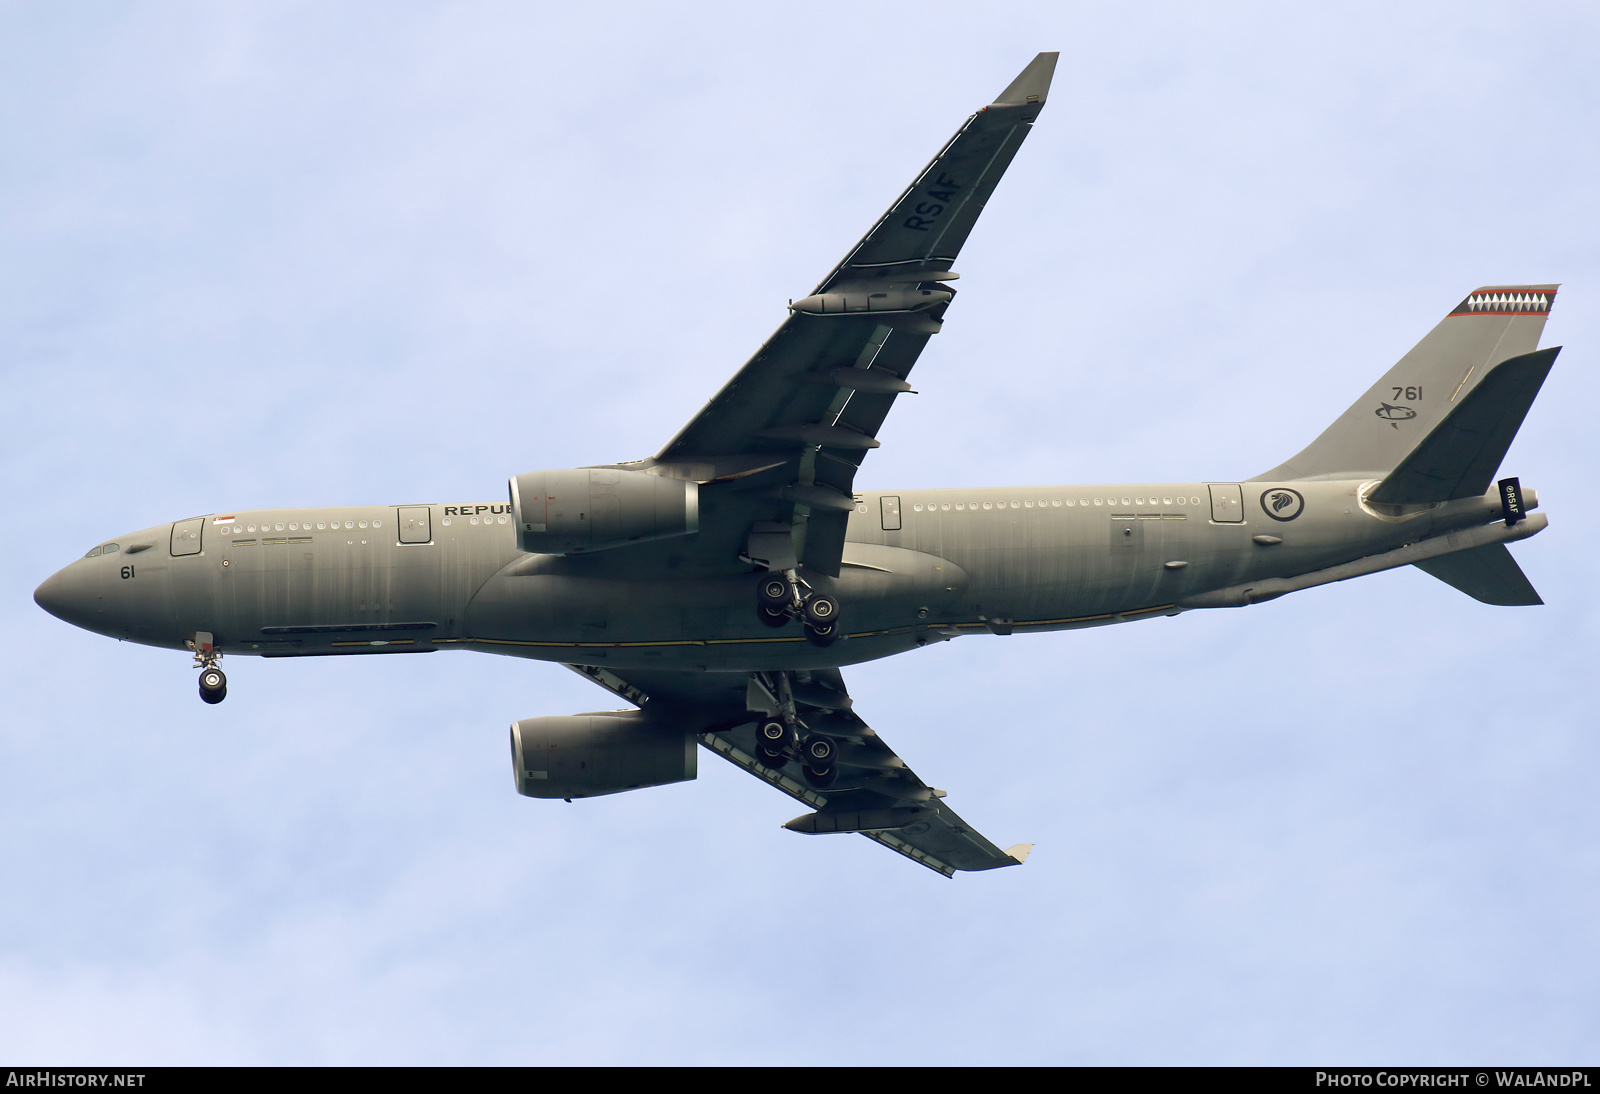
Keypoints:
pixel 1391 413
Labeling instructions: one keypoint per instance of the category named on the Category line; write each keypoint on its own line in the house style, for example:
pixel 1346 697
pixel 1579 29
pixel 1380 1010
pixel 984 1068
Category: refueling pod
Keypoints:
pixel 886 299
pixel 587 755
pixel 593 508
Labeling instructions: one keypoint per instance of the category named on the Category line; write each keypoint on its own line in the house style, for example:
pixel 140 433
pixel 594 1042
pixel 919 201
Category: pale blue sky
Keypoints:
pixel 263 254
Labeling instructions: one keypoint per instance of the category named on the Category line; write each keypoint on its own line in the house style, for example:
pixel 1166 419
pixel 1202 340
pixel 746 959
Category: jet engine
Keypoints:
pixel 593 508
pixel 586 755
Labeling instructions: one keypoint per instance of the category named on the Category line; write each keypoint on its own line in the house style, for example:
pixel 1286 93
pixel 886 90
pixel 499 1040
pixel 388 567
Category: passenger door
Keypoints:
pixel 1227 503
pixel 186 537
pixel 415 523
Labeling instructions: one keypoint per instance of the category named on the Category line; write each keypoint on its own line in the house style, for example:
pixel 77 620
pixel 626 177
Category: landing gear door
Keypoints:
pixel 415 525
pixel 186 536
pixel 1227 503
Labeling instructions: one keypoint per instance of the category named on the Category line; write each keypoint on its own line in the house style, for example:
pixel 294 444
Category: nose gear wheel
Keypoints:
pixel 213 685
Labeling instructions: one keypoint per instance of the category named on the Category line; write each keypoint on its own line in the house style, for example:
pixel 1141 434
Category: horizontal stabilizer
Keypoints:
pixel 1486 573
pixel 1459 456
pixel 1426 550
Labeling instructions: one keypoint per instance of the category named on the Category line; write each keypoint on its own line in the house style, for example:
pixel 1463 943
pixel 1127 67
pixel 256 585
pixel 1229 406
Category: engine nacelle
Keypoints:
pixel 586 755
pixel 593 508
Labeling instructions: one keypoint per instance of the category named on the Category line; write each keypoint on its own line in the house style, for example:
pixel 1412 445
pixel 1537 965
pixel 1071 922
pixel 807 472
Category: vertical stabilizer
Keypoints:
pixel 1382 427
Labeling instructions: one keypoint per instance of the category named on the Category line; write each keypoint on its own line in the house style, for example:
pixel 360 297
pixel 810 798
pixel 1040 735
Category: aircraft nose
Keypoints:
pixel 49 594
pixel 58 595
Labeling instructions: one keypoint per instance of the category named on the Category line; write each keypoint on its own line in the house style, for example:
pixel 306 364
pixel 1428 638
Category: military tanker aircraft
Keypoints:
pixel 719 586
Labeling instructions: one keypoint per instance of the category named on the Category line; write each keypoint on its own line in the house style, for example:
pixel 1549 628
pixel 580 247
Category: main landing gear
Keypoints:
pixel 776 739
pixel 778 734
pixel 213 684
pixel 819 758
pixel 782 597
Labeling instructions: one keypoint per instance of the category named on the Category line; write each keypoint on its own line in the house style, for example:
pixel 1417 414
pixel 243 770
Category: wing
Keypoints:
pixel 782 440
pixel 873 792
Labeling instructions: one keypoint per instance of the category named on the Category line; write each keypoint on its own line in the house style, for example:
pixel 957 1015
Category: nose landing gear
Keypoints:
pixel 213 684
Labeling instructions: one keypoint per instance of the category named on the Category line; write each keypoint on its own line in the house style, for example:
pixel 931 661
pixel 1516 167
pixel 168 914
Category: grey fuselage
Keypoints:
pixel 297 582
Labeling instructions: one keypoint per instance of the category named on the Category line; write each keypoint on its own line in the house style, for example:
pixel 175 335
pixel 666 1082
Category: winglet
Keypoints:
pixel 1032 83
pixel 1020 851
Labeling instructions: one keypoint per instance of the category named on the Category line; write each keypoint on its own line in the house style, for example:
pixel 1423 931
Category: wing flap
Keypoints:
pixel 875 794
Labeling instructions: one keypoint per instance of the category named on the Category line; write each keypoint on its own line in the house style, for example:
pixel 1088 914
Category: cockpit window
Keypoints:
pixel 92 552
pixel 109 549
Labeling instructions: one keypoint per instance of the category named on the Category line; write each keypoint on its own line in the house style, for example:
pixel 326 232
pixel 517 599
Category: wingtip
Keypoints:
pixel 1032 84
pixel 1020 852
